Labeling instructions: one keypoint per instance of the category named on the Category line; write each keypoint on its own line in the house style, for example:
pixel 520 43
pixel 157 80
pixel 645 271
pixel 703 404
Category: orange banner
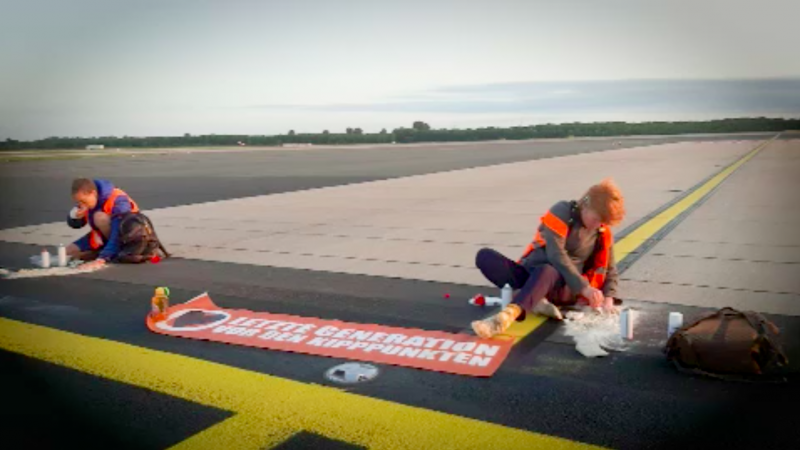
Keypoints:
pixel 462 354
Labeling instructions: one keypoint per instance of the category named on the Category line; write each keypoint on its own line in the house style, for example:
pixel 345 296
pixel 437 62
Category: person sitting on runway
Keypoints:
pixel 101 205
pixel 570 261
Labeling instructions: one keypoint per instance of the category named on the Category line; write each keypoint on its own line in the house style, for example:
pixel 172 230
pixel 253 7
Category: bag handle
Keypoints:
pixel 760 323
pixel 757 321
pixel 706 316
pixel 160 244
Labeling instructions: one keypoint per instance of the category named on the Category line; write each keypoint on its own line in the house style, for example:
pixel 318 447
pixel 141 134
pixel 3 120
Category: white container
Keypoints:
pixel 506 294
pixel 45 258
pixel 495 301
pixel 627 318
pixel 675 322
pixel 62 255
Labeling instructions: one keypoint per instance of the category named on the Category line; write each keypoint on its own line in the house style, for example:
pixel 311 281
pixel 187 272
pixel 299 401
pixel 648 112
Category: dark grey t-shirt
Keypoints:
pixel 569 255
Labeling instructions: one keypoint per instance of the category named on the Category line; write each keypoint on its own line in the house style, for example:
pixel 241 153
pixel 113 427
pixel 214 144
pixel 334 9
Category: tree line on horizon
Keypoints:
pixel 419 132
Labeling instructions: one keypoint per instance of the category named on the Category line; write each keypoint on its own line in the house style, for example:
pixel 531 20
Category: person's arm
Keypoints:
pixel 555 247
pixel 558 258
pixel 612 276
pixel 121 206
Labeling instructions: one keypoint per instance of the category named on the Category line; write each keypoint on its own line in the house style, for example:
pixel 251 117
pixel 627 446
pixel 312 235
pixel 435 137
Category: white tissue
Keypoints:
pixel 72 268
pixel 593 332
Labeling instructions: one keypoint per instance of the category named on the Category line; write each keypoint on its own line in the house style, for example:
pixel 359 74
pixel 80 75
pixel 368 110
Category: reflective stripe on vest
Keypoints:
pixel 108 206
pixel 552 222
pixel 555 224
pixel 95 237
pixel 596 275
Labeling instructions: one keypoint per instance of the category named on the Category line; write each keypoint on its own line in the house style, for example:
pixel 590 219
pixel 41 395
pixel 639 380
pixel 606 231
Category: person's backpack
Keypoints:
pixel 729 344
pixel 138 239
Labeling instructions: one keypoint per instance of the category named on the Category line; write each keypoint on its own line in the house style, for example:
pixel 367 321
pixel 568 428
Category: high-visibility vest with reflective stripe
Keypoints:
pixel 555 224
pixel 95 236
pixel 596 274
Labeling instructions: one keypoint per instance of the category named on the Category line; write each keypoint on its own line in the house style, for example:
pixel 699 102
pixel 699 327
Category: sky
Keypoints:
pixel 148 68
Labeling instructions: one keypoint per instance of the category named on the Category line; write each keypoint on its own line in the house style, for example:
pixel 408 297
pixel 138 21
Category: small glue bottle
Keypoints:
pixel 159 303
pixel 506 295
pixel 626 320
pixel 45 258
pixel 62 255
pixel 675 322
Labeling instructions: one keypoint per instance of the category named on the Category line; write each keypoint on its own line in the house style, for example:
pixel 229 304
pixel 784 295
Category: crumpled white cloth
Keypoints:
pixel 594 332
pixel 71 269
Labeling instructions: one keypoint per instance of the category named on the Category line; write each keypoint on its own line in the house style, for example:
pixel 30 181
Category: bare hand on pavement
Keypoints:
pixel 96 264
pixel 609 307
pixel 594 296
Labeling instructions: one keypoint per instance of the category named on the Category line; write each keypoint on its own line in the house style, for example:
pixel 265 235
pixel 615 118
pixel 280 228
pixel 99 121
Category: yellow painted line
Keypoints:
pixel 645 231
pixel 268 409
pixel 519 330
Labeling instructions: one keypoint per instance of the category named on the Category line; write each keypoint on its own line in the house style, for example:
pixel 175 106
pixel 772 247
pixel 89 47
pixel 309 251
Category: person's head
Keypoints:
pixel 603 203
pixel 84 193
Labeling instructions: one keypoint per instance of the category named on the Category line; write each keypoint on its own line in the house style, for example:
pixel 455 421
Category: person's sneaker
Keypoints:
pixel 548 309
pixel 497 323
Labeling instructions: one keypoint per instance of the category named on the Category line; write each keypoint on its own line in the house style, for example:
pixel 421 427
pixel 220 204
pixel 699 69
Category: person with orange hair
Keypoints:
pixel 570 261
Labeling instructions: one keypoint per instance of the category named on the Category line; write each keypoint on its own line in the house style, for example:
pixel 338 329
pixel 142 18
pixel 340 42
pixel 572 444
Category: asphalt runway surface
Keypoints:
pixel 625 401
pixel 37 191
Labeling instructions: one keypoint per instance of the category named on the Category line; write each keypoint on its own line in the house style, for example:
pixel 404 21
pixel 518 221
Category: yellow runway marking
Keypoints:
pixel 268 409
pixel 519 330
pixel 645 231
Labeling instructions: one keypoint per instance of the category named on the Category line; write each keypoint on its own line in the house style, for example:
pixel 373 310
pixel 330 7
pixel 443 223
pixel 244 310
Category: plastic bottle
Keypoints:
pixel 478 300
pixel 62 255
pixel 159 303
pixel 675 322
pixel 506 294
pixel 45 258
pixel 626 320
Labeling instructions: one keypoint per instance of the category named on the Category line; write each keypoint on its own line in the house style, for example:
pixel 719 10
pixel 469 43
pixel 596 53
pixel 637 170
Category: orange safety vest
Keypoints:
pixel 596 274
pixel 95 236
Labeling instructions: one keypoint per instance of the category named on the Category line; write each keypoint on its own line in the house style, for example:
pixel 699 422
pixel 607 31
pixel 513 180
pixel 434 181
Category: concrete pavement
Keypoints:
pixel 740 248
pixel 426 227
